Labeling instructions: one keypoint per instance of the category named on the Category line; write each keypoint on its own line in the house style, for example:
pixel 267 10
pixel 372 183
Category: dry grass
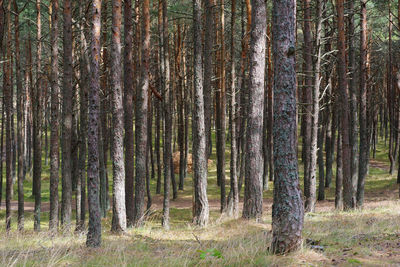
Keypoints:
pixel 367 237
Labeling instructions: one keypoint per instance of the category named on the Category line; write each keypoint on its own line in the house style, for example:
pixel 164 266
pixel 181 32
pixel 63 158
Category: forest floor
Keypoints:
pixel 368 237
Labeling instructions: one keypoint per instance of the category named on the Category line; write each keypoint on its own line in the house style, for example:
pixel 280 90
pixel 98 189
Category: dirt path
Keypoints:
pixel 379 165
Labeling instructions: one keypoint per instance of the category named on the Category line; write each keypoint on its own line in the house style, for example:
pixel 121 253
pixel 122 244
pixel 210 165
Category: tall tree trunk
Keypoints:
pixel 94 231
pixel 345 110
pixel 364 140
pixel 128 111
pixel 119 211
pixel 104 108
pixel 309 168
pixel 200 205
pixel 287 210
pixel 20 126
pixel 8 92
pixel 66 206
pixel 317 134
pixel 270 122
pixel 353 102
pixel 233 204
pixel 85 71
pixel 209 35
pixel 168 96
pixel 37 123
pixel 54 136
pixel 141 117
pixel 220 111
pixel 253 194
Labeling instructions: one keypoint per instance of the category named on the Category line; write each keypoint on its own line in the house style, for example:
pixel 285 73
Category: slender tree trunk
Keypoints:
pixel 353 102
pixel 270 122
pixel 287 210
pixel 345 110
pixel 364 140
pixel 315 111
pixel 94 231
pixel 37 123
pixel 20 115
pixel 119 211
pixel 168 96
pixel 339 171
pixel 200 205
pixel 128 111
pixel 8 92
pixel 209 36
pixel 309 155
pixel 141 118
pixel 85 71
pixel 66 206
pixel 220 111
pixel 253 197
pixel 233 204
pixel 104 108
pixel 54 136
pixel 161 86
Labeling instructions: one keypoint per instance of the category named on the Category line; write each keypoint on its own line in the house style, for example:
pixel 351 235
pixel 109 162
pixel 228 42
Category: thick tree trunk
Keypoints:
pixel 94 231
pixel 200 205
pixel 287 210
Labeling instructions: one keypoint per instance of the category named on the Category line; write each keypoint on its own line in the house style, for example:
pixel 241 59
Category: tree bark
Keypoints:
pixel 141 117
pixel 209 36
pixel 348 201
pixel 54 136
pixel 353 102
pixel 94 231
pixel 168 97
pixel 20 114
pixel 364 139
pixel 309 155
pixel 253 196
pixel 128 110
pixel 8 92
pixel 119 211
pixel 200 205
pixel 37 123
pixel 287 210
pixel 233 203
pixel 66 206
pixel 220 111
